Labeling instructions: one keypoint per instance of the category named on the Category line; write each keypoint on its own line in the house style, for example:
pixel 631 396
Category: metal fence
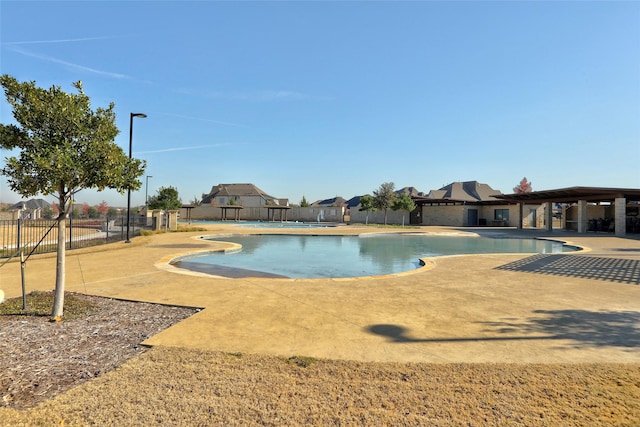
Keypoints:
pixel 41 235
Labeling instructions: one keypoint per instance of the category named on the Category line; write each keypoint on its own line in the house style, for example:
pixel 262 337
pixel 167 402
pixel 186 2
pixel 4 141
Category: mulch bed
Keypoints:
pixel 41 359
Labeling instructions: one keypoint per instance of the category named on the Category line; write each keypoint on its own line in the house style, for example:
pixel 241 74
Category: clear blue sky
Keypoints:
pixel 324 99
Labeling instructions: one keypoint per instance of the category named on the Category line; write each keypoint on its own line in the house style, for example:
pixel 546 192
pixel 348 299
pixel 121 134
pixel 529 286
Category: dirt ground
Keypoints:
pixel 101 376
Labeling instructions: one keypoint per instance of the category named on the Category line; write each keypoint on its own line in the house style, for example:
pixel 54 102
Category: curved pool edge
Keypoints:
pixel 167 264
pixel 427 263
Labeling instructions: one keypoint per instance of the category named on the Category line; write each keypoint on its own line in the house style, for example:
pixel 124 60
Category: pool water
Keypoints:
pixel 269 224
pixel 303 256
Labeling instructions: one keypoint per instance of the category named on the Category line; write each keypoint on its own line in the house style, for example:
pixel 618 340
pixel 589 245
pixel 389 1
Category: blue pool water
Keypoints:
pixel 269 224
pixel 298 256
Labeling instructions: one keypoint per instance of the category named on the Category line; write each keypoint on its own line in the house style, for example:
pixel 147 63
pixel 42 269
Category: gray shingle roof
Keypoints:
pixel 32 204
pixel 334 201
pixel 226 190
pixel 468 191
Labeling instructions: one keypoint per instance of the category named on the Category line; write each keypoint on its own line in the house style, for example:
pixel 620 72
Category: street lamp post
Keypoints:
pixel 131 116
pixel 146 191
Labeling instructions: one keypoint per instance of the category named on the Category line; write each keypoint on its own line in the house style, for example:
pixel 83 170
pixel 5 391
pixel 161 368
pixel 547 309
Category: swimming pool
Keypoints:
pixel 304 256
pixel 270 224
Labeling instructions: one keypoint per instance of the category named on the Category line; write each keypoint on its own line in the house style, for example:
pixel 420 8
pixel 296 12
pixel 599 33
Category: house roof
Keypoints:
pixel 353 202
pixel 334 201
pixel 227 190
pixel 411 191
pixel 31 204
pixel 468 191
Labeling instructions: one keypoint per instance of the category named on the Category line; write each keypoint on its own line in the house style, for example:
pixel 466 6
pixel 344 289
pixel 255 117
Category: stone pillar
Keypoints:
pixel 582 216
pixel 621 216
pixel 148 217
pixel 157 217
pixel 548 216
pixel 520 215
pixel 173 220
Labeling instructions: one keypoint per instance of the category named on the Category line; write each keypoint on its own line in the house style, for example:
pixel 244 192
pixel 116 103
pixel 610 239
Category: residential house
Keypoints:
pixel 238 202
pixel 29 209
pixel 468 203
pixel 246 195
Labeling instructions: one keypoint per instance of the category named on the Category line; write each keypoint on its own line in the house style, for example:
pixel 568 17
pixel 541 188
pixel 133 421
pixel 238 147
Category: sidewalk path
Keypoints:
pixel 524 308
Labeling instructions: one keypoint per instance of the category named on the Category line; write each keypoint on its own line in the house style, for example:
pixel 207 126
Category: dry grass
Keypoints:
pixel 170 386
pixel 173 386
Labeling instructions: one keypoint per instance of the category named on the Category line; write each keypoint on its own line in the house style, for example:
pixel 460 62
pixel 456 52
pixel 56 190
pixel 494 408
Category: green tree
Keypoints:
pixel 93 212
pixel 403 202
pixel 367 205
pixel 383 197
pixel 47 212
pixel 75 212
pixel 112 212
pixel 304 203
pixel 196 201
pixel 63 147
pixel 167 199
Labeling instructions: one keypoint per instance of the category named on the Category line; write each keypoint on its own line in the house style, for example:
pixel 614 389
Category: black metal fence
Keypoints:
pixel 41 235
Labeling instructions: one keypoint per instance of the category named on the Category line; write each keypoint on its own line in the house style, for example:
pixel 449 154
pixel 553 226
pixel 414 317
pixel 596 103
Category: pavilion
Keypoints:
pixel 620 198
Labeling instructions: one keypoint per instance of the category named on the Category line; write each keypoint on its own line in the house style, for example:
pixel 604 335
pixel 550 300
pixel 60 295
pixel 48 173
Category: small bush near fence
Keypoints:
pixel 41 236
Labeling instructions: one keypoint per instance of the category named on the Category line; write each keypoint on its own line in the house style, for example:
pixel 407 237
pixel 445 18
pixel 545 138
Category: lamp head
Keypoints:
pixel 141 115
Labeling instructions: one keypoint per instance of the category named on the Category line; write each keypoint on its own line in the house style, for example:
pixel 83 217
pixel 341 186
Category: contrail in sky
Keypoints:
pixel 59 40
pixel 69 64
pixel 166 150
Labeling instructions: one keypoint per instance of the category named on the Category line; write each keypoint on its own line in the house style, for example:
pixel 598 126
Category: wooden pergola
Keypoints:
pixel 236 212
pixel 282 210
pixel 188 209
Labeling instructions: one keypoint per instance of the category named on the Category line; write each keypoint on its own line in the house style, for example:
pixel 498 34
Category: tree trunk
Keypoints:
pixel 58 300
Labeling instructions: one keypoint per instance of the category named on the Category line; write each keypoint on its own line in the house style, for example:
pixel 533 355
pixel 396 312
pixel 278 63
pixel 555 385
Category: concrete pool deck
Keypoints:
pixel 520 308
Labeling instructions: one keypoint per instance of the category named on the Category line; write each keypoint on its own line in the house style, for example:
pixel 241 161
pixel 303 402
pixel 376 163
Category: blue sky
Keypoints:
pixel 324 99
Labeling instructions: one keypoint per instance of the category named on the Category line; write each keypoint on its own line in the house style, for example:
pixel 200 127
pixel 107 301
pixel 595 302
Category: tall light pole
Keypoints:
pixel 131 116
pixel 146 191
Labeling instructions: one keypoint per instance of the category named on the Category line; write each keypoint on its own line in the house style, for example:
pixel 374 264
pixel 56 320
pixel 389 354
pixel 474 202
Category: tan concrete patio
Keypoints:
pixel 582 307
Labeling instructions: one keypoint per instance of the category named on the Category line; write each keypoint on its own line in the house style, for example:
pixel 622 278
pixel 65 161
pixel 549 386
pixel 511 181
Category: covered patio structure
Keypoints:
pixel 282 210
pixel 624 200
pixel 234 208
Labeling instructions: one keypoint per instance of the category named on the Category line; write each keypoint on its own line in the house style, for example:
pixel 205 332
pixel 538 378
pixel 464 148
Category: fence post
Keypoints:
pixel 22 265
pixel 19 243
pixel 70 230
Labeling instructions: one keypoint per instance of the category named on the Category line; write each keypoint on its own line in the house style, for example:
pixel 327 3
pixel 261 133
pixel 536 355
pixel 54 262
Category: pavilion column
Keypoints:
pixel 173 220
pixel 582 216
pixel 157 219
pixel 621 216
pixel 548 212
pixel 520 215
